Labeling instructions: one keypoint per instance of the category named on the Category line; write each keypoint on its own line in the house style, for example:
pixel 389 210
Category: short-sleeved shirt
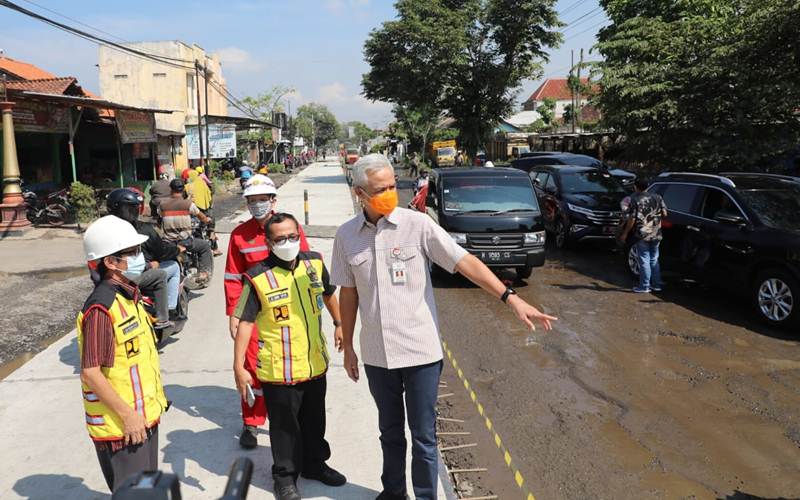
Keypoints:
pixel 646 209
pixel 249 305
pixel 176 218
pixel 399 324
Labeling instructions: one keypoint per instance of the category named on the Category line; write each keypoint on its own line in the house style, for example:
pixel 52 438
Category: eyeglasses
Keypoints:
pixel 294 238
pixel 128 253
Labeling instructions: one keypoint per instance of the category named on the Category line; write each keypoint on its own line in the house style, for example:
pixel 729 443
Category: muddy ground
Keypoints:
pixel 40 307
pixel 683 394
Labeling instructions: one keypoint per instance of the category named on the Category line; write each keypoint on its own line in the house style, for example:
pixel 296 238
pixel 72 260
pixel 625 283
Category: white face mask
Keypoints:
pixel 259 209
pixel 286 251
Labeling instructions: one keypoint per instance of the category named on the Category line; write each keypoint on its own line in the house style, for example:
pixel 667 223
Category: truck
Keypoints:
pixel 443 153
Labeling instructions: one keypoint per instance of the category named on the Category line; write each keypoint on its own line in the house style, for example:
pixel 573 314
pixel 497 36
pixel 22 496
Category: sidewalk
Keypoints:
pixel 47 453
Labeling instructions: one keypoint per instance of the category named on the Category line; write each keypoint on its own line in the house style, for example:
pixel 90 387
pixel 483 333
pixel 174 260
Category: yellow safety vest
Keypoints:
pixel 135 376
pixel 292 346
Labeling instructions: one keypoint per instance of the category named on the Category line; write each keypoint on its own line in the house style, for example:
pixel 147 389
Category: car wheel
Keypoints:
pixel 561 233
pixel 775 294
pixel 524 273
pixel 633 261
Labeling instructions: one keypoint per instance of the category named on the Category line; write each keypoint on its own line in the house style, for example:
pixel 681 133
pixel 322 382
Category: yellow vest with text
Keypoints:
pixel 135 376
pixel 292 346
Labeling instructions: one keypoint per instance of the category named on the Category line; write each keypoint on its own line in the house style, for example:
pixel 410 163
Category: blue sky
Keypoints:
pixel 314 46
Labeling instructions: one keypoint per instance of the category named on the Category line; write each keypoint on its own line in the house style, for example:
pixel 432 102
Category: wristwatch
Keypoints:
pixel 337 324
pixel 509 291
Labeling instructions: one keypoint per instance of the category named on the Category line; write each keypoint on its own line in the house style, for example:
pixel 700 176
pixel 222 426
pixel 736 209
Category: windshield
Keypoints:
pixel 488 195
pixel 778 207
pixel 582 161
pixel 590 181
pixel 446 151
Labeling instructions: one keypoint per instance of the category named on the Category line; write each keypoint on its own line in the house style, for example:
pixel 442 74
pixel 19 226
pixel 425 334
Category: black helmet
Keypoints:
pixel 176 185
pixel 124 203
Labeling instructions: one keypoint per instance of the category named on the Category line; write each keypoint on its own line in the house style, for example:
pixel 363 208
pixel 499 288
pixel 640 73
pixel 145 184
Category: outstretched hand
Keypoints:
pixel 528 314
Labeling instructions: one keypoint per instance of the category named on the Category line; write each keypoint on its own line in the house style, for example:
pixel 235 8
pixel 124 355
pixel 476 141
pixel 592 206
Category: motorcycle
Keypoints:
pixel 53 210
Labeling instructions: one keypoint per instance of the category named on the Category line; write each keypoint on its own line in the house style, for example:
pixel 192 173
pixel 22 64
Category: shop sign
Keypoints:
pixel 31 116
pixel 221 140
pixel 136 126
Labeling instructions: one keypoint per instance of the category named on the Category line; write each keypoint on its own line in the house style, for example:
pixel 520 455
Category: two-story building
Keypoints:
pixel 174 85
pixel 557 90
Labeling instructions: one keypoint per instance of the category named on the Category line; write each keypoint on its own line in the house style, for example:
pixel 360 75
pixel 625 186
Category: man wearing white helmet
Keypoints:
pixel 123 397
pixel 248 247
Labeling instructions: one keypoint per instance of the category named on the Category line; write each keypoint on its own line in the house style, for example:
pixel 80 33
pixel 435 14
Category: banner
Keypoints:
pixel 136 126
pixel 39 117
pixel 221 140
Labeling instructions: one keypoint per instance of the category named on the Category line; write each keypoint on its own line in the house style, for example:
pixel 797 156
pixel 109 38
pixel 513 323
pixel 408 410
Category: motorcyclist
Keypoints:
pixel 421 181
pixel 176 221
pixel 159 191
pixel 158 253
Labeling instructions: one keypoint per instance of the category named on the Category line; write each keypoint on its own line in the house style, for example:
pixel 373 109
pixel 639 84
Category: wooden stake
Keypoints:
pixel 465 471
pixel 453 433
pixel 458 447
pixel 443 419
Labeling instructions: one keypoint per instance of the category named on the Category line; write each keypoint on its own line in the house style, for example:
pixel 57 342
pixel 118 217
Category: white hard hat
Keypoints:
pixel 108 235
pixel 489 164
pixel 259 184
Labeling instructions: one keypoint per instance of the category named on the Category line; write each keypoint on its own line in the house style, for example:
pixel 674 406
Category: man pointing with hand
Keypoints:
pixel 380 261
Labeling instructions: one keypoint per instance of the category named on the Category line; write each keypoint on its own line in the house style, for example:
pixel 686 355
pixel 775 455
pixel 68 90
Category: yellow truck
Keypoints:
pixel 443 153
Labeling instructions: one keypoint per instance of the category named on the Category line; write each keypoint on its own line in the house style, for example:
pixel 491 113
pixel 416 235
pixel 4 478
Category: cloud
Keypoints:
pixel 333 93
pixel 238 60
pixel 349 105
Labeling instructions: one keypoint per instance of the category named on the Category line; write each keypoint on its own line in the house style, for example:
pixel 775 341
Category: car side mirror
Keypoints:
pixel 537 182
pixel 731 218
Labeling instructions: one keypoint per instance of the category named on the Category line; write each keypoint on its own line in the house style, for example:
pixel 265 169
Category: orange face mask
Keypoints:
pixel 385 202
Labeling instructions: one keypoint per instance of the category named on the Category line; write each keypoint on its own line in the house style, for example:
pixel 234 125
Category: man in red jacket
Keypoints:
pixel 248 247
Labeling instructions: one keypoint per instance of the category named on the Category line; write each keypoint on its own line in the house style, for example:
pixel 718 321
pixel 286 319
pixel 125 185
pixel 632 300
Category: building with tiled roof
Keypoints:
pixel 18 70
pixel 557 90
pixel 66 85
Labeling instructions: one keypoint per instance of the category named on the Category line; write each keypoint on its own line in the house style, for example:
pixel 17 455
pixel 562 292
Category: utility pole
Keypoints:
pixel 208 148
pixel 199 130
pixel 578 98
pixel 572 88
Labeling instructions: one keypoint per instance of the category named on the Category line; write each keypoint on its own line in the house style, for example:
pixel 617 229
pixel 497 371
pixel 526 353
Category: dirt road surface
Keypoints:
pixel 677 395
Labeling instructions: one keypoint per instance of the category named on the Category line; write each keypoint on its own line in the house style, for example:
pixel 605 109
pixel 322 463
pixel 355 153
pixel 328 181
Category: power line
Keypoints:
pixel 586 30
pixel 578 23
pixel 570 23
pixel 572 7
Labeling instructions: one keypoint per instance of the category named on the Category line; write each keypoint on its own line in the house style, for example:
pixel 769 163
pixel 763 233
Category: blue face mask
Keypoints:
pixel 136 266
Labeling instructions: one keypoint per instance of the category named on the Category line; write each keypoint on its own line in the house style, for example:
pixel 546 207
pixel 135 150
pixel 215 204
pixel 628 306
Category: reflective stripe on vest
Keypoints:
pixel 262 248
pixel 292 346
pixel 233 276
pixel 135 376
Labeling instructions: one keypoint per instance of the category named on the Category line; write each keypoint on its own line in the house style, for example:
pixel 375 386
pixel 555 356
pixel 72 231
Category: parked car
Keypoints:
pixel 738 231
pixel 491 212
pixel 352 156
pixel 578 203
pixel 531 159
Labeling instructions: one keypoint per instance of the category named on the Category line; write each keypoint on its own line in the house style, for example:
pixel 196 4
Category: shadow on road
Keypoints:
pixel 69 355
pixel 323 179
pixel 61 486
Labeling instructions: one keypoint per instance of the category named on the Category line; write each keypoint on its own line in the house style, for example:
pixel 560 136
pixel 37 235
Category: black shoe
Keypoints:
pixel 385 495
pixel 287 492
pixel 326 475
pixel 248 439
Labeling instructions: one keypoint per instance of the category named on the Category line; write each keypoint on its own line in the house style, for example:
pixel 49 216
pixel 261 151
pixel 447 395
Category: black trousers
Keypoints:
pixel 120 465
pixel 296 428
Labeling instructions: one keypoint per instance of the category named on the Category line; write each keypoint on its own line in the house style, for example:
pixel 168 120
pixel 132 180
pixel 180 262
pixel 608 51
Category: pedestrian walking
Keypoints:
pixel 282 299
pixel 247 247
pixel 414 166
pixel 123 397
pixel 644 214
pixel 380 260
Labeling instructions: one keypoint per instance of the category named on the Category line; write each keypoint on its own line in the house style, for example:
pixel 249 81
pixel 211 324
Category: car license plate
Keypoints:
pixel 495 256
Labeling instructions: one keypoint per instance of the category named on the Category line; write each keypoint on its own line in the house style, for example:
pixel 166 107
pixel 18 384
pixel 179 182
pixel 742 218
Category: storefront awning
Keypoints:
pixel 88 102
pixel 241 122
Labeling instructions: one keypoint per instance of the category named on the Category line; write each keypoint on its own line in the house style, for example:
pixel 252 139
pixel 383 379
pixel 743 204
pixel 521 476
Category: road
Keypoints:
pixel 680 395
pixel 631 394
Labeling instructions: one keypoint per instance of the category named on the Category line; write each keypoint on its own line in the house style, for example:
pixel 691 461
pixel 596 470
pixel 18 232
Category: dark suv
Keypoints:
pixel 537 158
pixel 740 231
pixel 578 203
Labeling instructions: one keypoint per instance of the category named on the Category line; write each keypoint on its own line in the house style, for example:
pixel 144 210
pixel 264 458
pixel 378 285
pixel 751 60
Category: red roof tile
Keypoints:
pixel 44 86
pixel 23 70
pixel 554 88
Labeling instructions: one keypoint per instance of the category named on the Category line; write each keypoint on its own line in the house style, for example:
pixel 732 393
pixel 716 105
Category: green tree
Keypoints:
pixel 361 132
pixel 264 104
pixel 417 124
pixel 702 84
pixel 547 110
pixel 466 57
pixel 316 124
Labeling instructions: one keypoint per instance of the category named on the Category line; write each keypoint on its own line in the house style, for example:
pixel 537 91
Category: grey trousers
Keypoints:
pixel 120 465
pixel 153 283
